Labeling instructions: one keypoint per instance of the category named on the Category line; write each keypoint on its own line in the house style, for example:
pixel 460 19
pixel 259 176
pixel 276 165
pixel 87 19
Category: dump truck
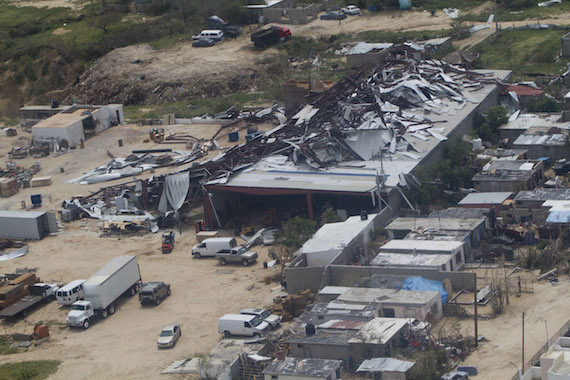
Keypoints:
pixel 119 277
pixel 38 293
pixel 270 36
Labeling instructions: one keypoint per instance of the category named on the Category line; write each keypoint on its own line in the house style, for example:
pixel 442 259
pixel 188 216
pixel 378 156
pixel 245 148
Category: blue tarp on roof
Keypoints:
pixel 562 216
pixel 420 283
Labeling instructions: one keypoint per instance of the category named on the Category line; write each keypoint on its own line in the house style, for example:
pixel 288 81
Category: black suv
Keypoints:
pixel 154 292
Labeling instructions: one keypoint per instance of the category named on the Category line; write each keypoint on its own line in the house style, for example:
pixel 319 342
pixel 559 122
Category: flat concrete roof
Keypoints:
pixel 491 198
pixel 452 224
pixel 410 260
pixel 21 214
pixel 542 194
pixel 303 367
pixel 388 296
pixel 65 119
pixel 526 121
pixel 420 245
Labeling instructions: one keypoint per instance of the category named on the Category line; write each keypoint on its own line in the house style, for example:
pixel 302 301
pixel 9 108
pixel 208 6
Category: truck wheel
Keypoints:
pixel 25 313
pixel 227 334
pixel 157 301
pixel 104 314
pixel 86 324
pixel 197 255
pixel 256 335
pixel 245 262
pixel 111 309
pixel 169 292
pixel 223 262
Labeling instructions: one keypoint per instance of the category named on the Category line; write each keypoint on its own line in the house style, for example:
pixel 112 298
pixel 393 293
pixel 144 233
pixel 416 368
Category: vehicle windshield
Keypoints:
pixel 77 307
pixel 241 251
pixel 265 314
pixel 166 333
pixel 256 321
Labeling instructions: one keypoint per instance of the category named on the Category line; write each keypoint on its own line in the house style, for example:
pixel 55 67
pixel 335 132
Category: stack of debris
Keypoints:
pixel 16 288
pixel 293 305
pixel 8 187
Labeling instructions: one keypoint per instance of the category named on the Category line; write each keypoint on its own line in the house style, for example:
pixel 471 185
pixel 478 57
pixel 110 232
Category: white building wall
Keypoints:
pixel 73 133
pixel 321 259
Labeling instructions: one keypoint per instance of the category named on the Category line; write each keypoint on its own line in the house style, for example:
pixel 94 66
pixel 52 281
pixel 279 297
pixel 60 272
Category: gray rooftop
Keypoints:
pixel 542 194
pixel 388 296
pixel 461 212
pixel 325 337
pixel 303 367
pixel 384 259
pixel 494 198
pixel 385 365
pixel 452 224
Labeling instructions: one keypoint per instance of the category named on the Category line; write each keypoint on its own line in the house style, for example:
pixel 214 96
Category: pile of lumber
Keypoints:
pixel 16 289
pixel 293 305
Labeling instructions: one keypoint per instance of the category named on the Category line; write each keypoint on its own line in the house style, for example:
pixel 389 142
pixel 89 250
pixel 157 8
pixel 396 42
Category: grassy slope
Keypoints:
pixel 29 370
pixel 523 51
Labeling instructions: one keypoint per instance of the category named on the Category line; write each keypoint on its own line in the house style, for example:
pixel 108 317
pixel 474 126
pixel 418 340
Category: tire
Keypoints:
pixel 197 255
pixel 112 310
pixel 227 334
pixel 244 262
pixel 104 314
pixel 223 261
pixel 157 301
pixel 133 291
pixel 169 292
pixel 86 324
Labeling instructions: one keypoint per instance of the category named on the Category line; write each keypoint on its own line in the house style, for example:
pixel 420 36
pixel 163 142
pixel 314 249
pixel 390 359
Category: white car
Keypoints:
pixel 271 319
pixel 169 336
pixel 351 10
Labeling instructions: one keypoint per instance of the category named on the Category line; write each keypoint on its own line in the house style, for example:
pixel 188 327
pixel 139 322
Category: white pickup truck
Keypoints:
pixel 121 276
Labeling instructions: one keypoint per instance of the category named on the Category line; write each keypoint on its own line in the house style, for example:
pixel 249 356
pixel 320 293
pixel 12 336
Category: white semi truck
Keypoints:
pixel 121 276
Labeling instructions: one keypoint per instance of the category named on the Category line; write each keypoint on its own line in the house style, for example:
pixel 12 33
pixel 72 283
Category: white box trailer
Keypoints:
pixel 121 276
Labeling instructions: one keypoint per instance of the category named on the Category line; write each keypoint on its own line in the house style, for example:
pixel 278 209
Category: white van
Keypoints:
pixel 211 246
pixel 241 324
pixel 216 35
pixel 70 293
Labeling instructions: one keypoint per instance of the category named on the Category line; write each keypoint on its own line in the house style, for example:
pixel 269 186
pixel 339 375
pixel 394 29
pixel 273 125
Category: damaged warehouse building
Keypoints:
pixel 354 147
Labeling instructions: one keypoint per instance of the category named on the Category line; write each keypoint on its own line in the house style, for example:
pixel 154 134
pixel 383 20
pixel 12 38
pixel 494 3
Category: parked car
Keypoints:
pixel 335 15
pixel 236 255
pixel 217 35
pixel 241 324
pixel 204 42
pixel 271 319
pixel 211 246
pixel 154 292
pixel 562 169
pixel 169 336
pixel 455 375
pixel 351 10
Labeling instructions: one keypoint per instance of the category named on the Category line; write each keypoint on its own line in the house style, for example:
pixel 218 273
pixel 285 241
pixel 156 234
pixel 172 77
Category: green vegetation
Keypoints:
pixel 487 124
pixel 295 232
pixel 519 10
pixel 28 370
pixel 522 51
pixel 5 348
pixel 543 104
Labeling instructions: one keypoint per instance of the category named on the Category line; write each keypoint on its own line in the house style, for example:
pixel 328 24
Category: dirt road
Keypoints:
pixel 124 345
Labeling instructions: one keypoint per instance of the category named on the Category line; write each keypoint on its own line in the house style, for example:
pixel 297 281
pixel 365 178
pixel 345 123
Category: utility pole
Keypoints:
pixel 522 346
pixel 496 20
pixel 475 318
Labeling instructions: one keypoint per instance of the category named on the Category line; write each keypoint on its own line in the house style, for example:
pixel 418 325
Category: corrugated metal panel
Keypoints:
pixel 385 365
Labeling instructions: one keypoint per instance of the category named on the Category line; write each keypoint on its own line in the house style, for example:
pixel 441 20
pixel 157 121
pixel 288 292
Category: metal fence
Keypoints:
pixel 543 349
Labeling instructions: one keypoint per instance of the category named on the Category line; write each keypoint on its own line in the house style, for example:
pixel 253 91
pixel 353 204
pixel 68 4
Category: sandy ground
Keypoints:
pixel 47 3
pixel 124 345
pixel 547 306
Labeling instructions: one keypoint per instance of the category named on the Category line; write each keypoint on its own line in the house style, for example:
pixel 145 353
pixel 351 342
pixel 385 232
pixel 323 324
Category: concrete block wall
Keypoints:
pixel 344 275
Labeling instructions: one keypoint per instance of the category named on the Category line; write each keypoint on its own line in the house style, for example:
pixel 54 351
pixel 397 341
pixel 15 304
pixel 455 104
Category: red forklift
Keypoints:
pixel 167 242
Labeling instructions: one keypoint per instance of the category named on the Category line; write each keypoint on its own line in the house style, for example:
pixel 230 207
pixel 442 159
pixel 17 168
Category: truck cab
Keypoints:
pixel 80 314
pixel 236 255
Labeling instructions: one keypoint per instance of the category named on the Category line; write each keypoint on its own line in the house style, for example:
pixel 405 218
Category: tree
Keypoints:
pixel 102 21
pixel 487 125
pixel 329 216
pixel 294 234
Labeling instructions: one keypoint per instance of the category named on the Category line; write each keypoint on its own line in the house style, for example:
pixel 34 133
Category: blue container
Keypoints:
pixel 36 199
pixel 233 136
pixel 372 8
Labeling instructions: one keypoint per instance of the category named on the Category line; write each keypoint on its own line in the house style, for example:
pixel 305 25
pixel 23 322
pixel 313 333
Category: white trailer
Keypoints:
pixel 121 276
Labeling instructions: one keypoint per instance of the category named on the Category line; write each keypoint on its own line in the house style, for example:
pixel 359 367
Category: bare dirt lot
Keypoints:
pixel 548 307
pixel 124 345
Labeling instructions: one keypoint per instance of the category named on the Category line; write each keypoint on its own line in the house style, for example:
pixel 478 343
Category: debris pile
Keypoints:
pixel 293 305
pixel 16 288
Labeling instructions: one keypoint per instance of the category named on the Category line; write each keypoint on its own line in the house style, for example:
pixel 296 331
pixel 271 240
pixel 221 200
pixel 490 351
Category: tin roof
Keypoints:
pixel 303 367
pixel 385 365
pixel 491 198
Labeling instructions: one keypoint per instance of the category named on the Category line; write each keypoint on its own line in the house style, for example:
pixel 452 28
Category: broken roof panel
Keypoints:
pixel 385 365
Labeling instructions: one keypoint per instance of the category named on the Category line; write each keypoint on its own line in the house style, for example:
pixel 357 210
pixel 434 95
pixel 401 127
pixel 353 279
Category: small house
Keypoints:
pixel 303 369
